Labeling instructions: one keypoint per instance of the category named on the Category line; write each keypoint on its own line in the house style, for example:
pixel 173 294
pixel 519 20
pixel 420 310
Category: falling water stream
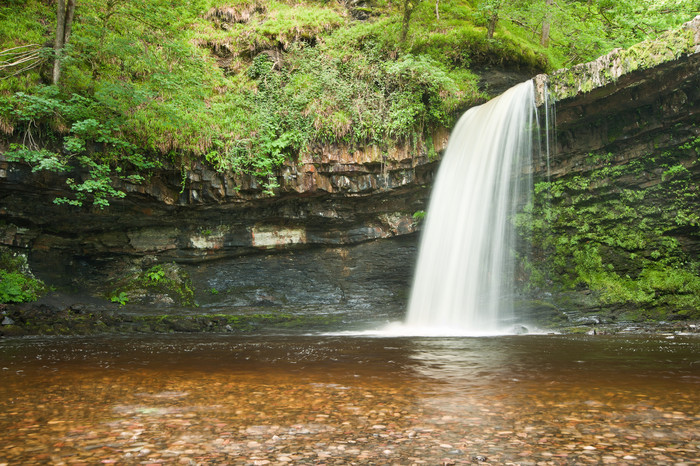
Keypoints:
pixel 291 398
pixel 465 268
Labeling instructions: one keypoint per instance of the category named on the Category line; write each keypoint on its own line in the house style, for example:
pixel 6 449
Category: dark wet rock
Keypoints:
pixel 586 320
pixel 328 288
pixel 331 198
pixel 45 321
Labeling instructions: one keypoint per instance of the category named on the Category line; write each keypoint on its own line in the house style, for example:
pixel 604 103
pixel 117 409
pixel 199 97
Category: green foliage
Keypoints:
pixel 582 31
pixel 603 233
pixel 248 84
pixel 92 146
pixel 155 273
pixel 247 28
pixel 168 280
pixel 17 284
pixel 419 215
pixel 26 24
pixel 18 288
pixel 121 298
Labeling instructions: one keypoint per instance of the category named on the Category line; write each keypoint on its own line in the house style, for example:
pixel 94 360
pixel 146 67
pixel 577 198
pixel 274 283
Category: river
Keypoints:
pixel 341 399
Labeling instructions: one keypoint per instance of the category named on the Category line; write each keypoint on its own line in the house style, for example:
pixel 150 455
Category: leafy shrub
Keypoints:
pixel 17 284
pixel 18 288
pixel 92 146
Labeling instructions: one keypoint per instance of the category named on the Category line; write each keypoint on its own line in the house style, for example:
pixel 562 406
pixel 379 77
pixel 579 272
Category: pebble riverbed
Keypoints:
pixel 350 400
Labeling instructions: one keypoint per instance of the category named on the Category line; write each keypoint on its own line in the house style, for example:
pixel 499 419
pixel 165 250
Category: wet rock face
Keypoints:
pixel 358 285
pixel 335 198
pixel 369 280
pixel 630 103
pixel 332 196
pixel 642 114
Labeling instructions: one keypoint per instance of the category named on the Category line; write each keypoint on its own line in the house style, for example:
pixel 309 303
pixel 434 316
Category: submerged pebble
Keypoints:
pixel 422 411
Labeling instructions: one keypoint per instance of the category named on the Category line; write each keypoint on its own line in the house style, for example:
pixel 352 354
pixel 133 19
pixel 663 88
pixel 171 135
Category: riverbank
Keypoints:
pixel 80 319
pixel 50 318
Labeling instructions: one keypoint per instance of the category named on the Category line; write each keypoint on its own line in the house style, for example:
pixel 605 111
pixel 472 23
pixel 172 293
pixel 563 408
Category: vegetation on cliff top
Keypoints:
pixel 246 84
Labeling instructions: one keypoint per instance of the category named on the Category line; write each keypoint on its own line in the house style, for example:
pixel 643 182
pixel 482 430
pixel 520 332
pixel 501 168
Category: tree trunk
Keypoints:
pixel 493 20
pixel 64 22
pixel 408 7
pixel 544 38
pixel 58 44
pixel 407 12
pixel 70 12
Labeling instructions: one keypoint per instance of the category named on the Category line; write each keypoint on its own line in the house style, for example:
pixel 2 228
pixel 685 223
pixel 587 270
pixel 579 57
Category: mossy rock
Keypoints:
pixel 541 313
pixel 162 284
pixel 13 331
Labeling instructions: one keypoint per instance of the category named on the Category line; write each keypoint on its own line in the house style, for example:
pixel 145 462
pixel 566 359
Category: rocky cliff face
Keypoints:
pixel 607 116
pixel 333 195
pixel 630 102
pixel 615 222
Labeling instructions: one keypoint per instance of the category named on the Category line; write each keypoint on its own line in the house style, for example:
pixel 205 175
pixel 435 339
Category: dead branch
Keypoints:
pixel 31 57
pixel 6 51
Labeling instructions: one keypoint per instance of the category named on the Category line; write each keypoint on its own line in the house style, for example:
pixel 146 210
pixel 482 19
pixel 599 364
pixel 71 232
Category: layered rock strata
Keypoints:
pixel 334 196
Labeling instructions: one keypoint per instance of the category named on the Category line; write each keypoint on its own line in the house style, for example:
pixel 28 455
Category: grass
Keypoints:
pixel 247 84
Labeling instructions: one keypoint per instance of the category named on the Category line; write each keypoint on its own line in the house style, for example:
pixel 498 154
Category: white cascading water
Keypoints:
pixel 464 276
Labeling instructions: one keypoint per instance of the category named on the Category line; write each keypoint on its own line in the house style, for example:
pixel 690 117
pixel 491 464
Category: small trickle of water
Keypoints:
pixel 464 276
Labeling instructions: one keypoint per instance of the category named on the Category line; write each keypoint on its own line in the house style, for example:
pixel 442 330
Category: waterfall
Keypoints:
pixel 465 274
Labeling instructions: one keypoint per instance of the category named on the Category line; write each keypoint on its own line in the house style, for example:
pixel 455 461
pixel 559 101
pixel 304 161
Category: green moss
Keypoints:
pixel 601 233
pixel 65 322
pixel 159 282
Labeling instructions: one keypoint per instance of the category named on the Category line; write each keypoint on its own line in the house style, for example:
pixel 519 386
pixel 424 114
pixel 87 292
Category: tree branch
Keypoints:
pixel 9 51
pixel 18 55
pixel 20 61
pixel 26 68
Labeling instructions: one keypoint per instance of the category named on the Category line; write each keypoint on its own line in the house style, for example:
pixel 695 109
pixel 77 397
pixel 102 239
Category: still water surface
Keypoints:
pixel 203 399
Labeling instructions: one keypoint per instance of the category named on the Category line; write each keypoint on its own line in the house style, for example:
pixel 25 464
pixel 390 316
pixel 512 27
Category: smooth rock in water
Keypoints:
pixel 8 321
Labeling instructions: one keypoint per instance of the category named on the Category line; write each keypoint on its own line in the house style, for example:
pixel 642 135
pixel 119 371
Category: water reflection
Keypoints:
pixel 337 399
pixel 556 359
